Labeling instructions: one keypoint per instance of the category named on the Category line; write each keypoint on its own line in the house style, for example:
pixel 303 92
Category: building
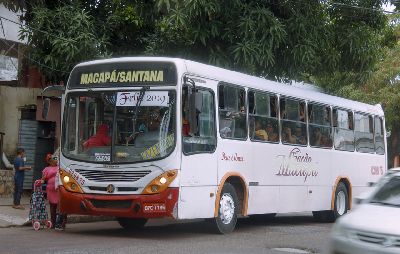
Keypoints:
pixel 20 94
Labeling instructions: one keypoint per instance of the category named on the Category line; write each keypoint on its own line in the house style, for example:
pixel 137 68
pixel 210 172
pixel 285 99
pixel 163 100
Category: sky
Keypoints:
pixel 388 7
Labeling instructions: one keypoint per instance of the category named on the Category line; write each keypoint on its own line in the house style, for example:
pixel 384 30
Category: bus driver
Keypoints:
pixel 101 138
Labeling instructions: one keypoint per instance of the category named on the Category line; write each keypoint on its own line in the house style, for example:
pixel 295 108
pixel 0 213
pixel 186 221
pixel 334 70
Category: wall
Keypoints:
pixel 10 99
pixel 6 183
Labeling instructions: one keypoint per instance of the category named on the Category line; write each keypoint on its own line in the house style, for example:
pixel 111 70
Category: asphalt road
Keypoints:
pixel 161 236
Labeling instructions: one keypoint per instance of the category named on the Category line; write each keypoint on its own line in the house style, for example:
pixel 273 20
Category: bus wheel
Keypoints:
pixel 341 201
pixel 131 223
pixel 341 206
pixel 226 220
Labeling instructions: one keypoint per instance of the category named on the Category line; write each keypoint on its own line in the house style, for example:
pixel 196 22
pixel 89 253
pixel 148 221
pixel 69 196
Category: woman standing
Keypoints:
pixel 49 176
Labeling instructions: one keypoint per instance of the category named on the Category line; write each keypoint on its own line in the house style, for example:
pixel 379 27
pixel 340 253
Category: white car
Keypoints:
pixel 374 225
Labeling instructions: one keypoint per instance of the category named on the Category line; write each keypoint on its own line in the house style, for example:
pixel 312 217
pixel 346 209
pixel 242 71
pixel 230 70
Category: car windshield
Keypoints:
pixel 388 193
pixel 123 126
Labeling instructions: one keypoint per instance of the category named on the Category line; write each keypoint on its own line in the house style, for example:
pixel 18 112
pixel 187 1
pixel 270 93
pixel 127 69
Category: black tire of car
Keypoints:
pixel 331 216
pixel 131 223
pixel 219 226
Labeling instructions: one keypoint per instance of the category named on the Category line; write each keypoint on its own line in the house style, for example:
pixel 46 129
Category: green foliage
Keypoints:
pixel 383 83
pixel 61 38
pixel 277 39
pixel 334 42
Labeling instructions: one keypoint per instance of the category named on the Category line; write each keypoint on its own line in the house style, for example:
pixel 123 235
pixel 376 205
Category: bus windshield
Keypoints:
pixel 119 127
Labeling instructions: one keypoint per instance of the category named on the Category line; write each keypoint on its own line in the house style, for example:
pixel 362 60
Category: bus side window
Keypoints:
pixel 364 134
pixel 232 112
pixel 204 140
pixel 293 122
pixel 263 123
pixel 379 141
pixel 343 131
pixel 319 125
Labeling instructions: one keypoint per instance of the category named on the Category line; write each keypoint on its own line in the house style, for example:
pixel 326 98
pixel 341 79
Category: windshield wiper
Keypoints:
pixel 138 103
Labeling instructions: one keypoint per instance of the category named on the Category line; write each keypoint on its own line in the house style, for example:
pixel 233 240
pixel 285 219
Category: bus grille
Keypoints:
pixel 112 176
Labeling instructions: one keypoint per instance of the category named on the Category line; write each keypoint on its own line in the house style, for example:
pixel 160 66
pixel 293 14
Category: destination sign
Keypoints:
pixel 123 74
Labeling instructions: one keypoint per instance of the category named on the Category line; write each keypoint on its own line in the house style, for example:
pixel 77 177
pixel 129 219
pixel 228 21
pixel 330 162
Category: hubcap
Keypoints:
pixel 226 208
pixel 341 203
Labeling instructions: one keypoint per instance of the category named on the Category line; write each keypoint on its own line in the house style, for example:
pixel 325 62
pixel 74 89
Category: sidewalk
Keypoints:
pixel 10 217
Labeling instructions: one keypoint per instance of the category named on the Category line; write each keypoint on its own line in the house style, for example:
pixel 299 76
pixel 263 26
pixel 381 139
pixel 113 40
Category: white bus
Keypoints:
pixel 151 137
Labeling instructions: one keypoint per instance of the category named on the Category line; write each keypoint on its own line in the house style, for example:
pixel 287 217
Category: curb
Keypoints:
pixel 72 219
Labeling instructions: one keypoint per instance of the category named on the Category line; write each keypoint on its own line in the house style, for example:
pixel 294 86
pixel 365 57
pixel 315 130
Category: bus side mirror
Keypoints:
pixel 46 108
pixel 195 107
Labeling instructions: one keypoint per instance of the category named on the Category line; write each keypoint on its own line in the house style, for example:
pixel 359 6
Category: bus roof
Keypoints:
pixel 237 78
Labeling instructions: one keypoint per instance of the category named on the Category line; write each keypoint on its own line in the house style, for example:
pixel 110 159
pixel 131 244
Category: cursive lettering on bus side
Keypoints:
pixel 296 164
pixel 122 77
pixel 232 157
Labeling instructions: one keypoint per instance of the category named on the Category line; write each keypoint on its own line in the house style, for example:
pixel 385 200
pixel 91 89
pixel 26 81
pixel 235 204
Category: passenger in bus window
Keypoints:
pixel 185 125
pixel 260 133
pixel 302 115
pixel 300 138
pixel 350 121
pixel 101 138
pixel 316 138
pixel 325 141
pixel 272 134
pixel 287 136
pixel 154 119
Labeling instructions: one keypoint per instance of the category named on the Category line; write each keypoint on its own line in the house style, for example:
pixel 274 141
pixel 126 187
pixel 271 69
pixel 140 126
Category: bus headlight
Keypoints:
pixel 66 179
pixel 161 182
pixel 69 182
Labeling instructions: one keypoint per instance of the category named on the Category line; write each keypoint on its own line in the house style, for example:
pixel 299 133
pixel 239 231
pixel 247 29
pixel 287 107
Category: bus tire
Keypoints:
pixel 131 223
pixel 228 204
pixel 341 206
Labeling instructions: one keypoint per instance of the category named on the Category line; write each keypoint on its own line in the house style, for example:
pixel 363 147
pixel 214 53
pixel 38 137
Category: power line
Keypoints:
pixel 37 29
pixel 36 62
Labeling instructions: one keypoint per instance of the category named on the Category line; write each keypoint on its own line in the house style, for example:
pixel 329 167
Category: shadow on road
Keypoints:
pixel 188 229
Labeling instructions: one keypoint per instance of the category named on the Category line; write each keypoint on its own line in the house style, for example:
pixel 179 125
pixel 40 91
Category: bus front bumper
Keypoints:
pixel 134 206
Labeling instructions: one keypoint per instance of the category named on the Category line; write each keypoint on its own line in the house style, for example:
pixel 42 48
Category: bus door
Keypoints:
pixel 199 162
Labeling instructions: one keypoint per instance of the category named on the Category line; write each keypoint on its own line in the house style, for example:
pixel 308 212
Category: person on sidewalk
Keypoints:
pixel 48 176
pixel 19 165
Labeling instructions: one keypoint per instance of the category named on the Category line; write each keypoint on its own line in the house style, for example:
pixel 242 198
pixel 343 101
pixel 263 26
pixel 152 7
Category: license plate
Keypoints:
pixel 154 208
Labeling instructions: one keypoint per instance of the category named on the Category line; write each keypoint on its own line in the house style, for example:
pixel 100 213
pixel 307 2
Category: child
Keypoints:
pixel 19 165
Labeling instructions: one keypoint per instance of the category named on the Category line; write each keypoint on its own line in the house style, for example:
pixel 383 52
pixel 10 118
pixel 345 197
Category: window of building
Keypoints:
pixel 263 121
pixel 232 112
pixel 293 121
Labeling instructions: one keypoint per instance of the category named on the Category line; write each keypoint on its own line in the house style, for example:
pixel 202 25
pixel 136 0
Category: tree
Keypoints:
pixel 59 38
pixel 288 39
pixel 383 84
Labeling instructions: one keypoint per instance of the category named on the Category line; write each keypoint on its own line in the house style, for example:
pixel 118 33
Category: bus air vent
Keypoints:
pixel 112 176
